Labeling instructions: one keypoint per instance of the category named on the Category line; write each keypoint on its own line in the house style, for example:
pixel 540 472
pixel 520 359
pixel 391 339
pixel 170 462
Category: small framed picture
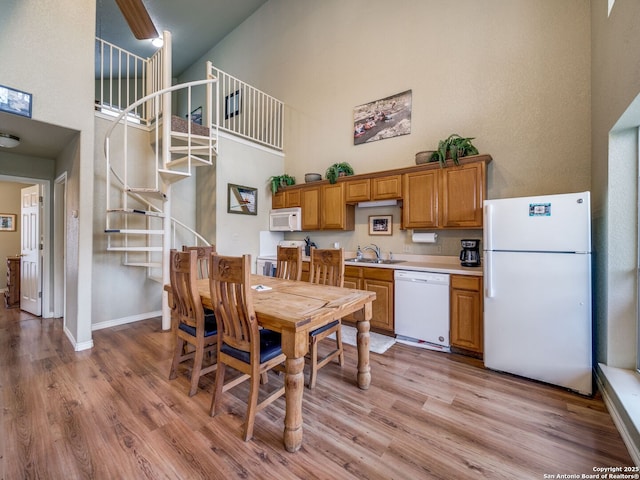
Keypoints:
pixel 380 224
pixel 7 222
pixel 241 199
pixel 232 105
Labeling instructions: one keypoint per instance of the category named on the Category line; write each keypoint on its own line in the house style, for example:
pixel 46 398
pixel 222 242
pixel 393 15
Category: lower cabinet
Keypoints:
pixel 466 315
pixel 380 281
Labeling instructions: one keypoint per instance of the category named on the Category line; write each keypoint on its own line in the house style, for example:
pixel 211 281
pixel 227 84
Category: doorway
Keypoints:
pixel 45 273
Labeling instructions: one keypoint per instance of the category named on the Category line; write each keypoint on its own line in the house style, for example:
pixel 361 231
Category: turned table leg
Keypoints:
pixel 294 386
pixel 364 369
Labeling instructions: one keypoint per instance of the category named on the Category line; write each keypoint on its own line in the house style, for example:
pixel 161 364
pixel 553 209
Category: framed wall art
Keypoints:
pixel 385 118
pixel 232 105
pixel 380 224
pixel 241 199
pixel 7 222
pixel 15 101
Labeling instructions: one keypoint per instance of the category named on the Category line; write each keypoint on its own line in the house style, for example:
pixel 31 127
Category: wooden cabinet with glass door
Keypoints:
pixel 12 293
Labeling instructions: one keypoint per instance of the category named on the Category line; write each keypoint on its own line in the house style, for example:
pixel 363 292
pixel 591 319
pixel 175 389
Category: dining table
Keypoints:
pixel 295 308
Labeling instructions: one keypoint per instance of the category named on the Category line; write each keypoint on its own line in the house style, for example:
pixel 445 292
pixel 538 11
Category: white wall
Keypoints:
pixel 515 74
pixel 31 32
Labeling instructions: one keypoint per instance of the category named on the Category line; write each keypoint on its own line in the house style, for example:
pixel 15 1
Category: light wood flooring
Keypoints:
pixel 111 413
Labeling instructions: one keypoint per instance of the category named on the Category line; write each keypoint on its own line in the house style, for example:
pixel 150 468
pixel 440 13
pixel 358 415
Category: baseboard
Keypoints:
pixel 620 390
pixel 78 347
pixel 124 320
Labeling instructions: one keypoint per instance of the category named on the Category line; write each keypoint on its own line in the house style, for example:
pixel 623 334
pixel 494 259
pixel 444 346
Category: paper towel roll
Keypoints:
pixel 424 237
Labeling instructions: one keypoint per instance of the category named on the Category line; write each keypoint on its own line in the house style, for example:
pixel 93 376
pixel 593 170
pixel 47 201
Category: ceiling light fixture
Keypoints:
pixel 9 141
pixel 157 42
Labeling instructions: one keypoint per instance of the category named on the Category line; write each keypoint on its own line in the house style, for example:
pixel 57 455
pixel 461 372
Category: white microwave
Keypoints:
pixel 285 220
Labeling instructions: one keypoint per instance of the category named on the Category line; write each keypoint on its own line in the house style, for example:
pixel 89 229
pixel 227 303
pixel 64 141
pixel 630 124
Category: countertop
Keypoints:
pixel 420 263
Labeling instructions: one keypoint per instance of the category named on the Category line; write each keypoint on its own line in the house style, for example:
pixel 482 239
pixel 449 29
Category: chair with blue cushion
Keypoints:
pixel 241 344
pixel 204 255
pixel 188 321
pixel 326 268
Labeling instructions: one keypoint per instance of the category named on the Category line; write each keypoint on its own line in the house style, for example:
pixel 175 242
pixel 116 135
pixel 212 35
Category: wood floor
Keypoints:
pixel 111 412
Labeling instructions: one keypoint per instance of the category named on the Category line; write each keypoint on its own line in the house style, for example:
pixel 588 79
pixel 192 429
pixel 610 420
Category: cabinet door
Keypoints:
pixel 336 214
pixel 292 198
pixel 383 304
pixel 461 195
pixel 420 208
pixel 310 203
pixel 386 188
pixel 466 313
pixel 278 200
pixel 357 191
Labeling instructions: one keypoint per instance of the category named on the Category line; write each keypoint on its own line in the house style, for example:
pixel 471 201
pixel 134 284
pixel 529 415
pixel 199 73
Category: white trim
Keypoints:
pixel 625 385
pixel 78 347
pixel 124 320
pixel 60 257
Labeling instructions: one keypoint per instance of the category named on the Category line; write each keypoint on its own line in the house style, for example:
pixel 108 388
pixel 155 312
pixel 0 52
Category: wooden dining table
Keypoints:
pixel 294 308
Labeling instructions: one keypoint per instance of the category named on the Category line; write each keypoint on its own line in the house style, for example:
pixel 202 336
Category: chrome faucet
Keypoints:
pixel 375 249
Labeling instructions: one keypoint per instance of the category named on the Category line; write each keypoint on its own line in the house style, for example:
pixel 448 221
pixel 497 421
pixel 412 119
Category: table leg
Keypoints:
pixel 294 386
pixel 364 369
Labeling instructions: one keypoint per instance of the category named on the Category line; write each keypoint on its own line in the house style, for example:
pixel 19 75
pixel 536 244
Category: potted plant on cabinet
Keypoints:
pixel 338 170
pixel 453 147
pixel 283 180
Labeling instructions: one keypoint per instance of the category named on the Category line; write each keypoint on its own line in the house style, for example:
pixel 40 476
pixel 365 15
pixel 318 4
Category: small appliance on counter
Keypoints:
pixel 470 254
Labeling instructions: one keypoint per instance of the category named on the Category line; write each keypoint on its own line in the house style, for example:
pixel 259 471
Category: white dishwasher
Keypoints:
pixel 422 308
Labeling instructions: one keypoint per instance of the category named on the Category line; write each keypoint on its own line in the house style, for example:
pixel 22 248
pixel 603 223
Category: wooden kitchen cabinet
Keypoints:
pixel 335 213
pixel 380 281
pixel 449 197
pixel 286 198
pixel 12 293
pixel 466 315
pixel 310 203
pixel 357 190
pixel 386 188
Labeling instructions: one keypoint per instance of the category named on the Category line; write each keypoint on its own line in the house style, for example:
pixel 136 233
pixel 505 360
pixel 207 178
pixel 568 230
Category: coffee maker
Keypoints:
pixel 470 254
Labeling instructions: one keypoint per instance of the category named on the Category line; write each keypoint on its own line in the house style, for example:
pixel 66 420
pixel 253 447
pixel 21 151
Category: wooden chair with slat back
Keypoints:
pixel 326 268
pixel 289 263
pixel 188 321
pixel 241 344
pixel 204 254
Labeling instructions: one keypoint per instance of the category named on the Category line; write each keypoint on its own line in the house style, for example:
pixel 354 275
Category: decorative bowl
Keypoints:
pixel 312 177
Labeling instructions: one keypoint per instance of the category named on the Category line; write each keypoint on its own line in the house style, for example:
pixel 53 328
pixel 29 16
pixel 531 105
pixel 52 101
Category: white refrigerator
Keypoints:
pixel 537 280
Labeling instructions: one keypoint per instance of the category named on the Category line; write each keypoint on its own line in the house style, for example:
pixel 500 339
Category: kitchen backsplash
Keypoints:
pixel 399 242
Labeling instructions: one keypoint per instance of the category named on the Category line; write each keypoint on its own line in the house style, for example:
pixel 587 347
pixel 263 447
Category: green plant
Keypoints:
pixel 453 147
pixel 334 171
pixel 283 180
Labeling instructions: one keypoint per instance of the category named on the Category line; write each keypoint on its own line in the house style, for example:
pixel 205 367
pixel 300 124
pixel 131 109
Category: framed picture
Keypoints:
pixel 241 199
pixel 385 118
pixel 380 224
pixel 7 222
pixel 15 101
pixel 196 116
pixel 232 105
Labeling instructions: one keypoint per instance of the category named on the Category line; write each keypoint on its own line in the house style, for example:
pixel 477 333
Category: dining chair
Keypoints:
pixel 326 268
pixel 242 345
pixel 189 324
pixel 289 263
pixel 204 254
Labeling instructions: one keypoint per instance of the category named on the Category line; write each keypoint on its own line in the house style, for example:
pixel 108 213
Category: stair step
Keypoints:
pixel 136 212
pixel 195 161
pixel 134 231
pixel 150 192
pixel 199 139
pixel 134 249
pixel 144 264
pixel 172 175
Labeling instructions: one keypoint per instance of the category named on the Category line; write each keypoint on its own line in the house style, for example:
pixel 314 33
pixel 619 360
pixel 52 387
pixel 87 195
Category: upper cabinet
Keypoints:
pixel 450 197
pixel 432 197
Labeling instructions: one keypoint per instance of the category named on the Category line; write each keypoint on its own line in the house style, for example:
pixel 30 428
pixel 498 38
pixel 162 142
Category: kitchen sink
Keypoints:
pixel 373 260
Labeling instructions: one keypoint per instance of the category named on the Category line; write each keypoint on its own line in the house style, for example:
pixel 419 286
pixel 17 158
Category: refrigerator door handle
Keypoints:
pixel 488 274
pixel 488 222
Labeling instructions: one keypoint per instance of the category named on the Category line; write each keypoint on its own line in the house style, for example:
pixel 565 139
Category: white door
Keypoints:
pixel 30 284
